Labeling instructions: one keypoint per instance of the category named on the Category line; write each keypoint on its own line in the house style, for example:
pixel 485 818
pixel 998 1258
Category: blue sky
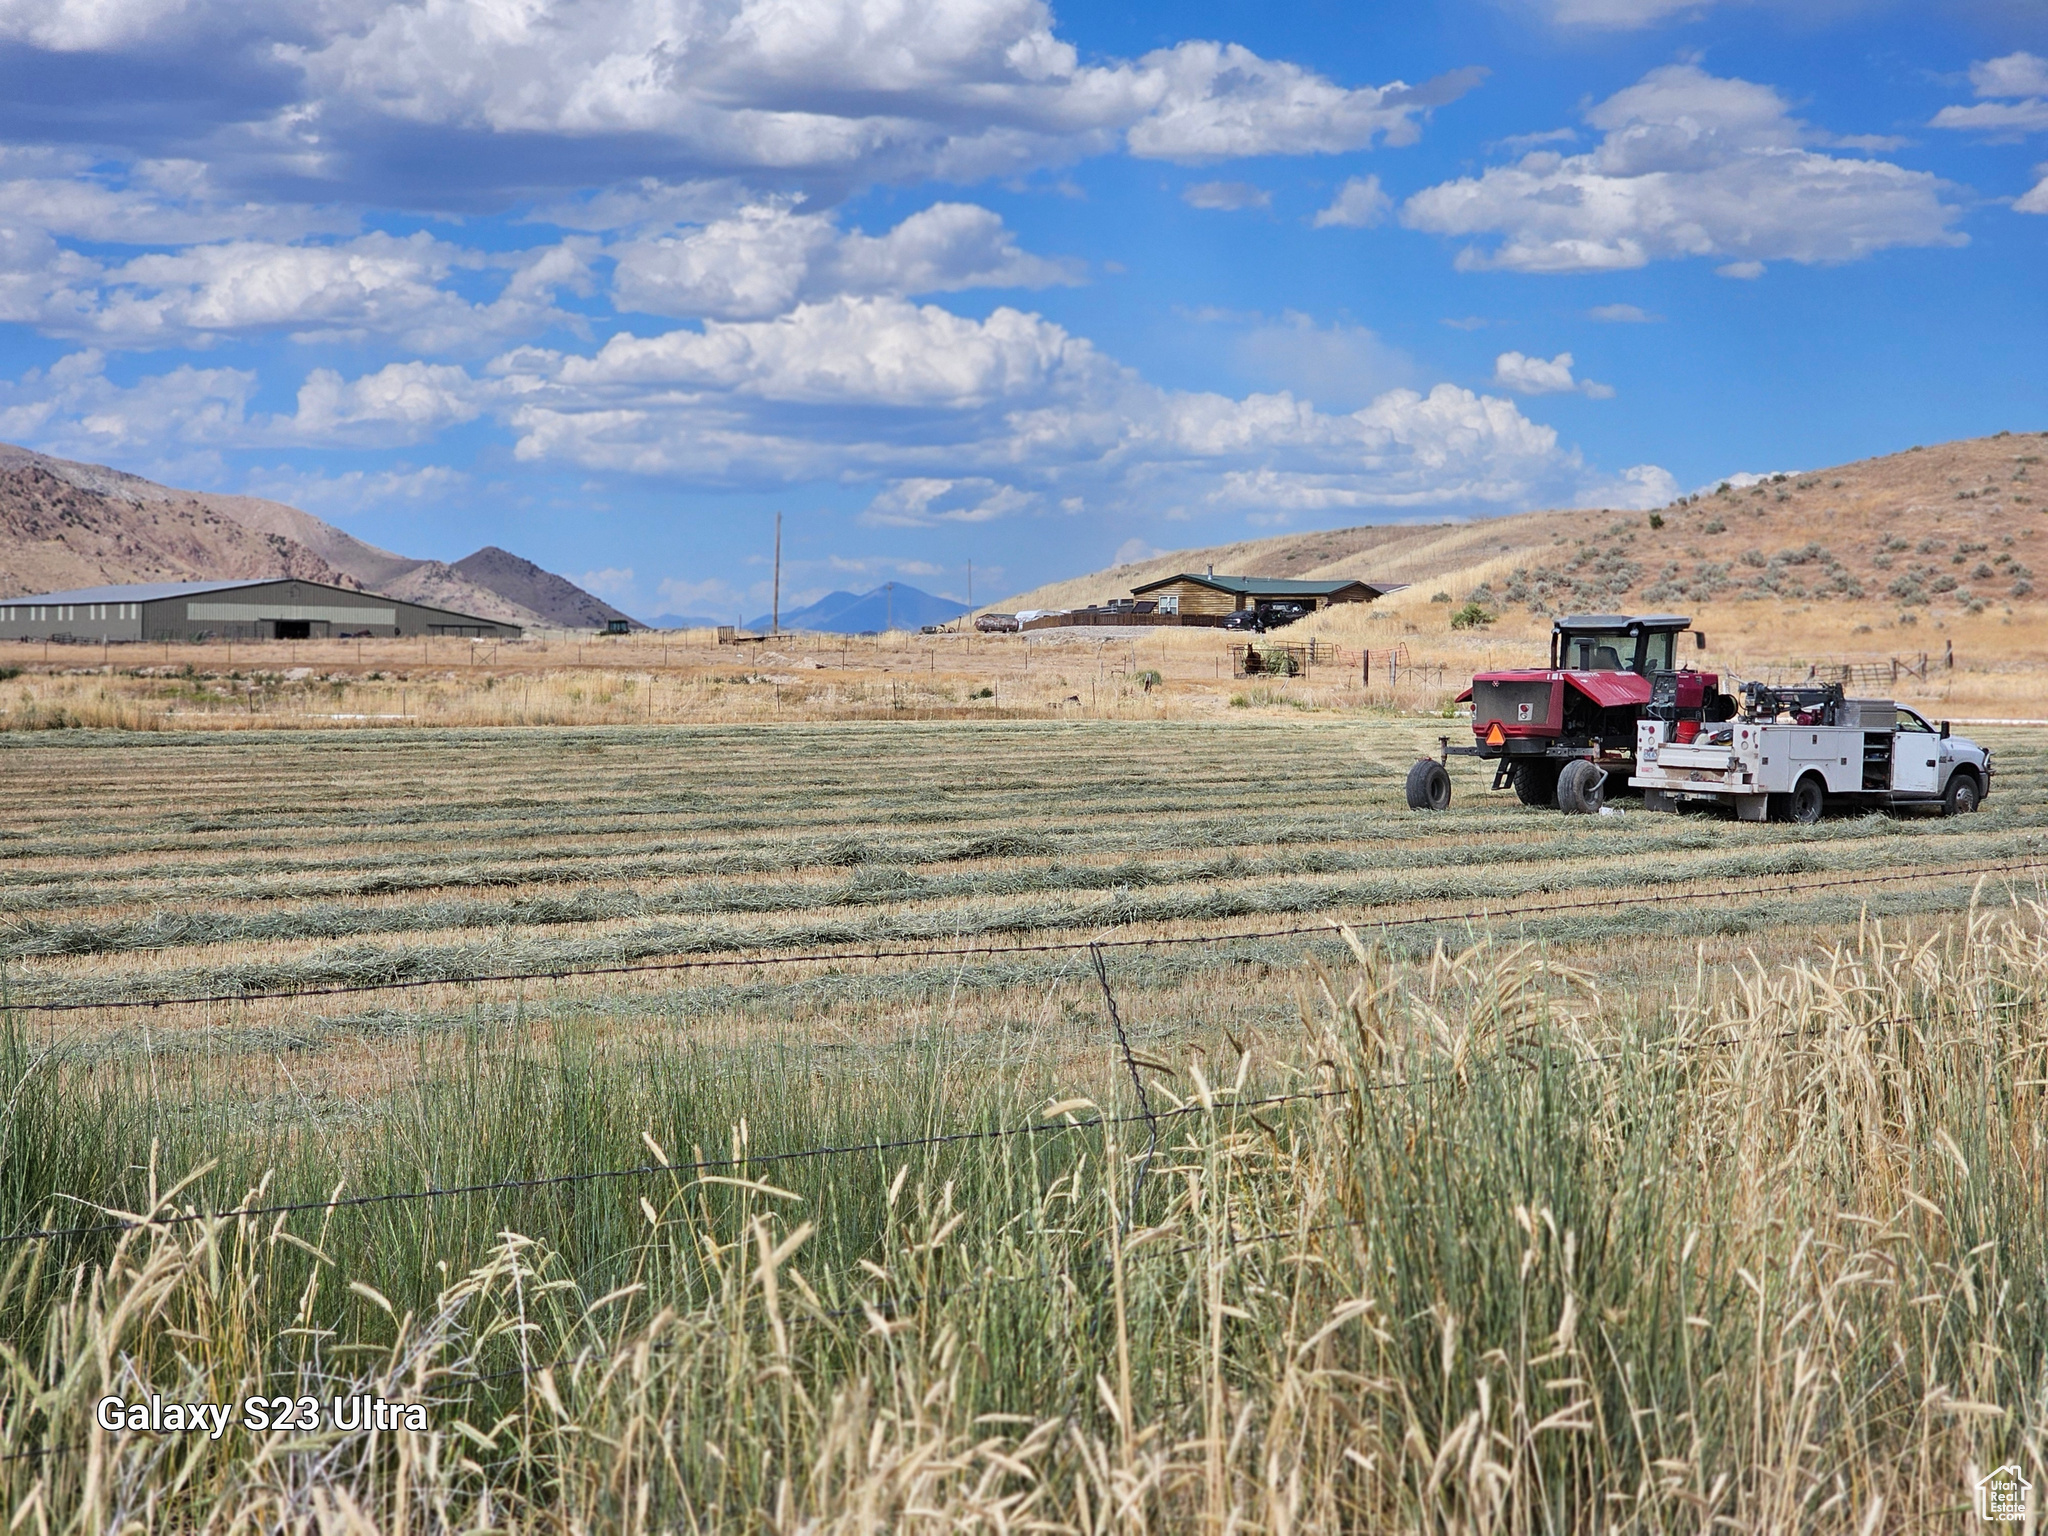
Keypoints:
pixel 611 282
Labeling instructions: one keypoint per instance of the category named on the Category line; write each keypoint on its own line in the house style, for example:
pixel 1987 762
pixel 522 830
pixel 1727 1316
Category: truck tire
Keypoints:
pixel 1808 799
pixel 1429 786
pixel 1581 788
pixel 1962 796
pixel 1536 782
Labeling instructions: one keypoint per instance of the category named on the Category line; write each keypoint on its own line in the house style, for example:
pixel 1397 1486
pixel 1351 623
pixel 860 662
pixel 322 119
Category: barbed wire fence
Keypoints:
pixel 167 1220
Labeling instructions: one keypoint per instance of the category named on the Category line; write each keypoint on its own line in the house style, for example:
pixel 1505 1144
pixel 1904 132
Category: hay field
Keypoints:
pixel 1699 1183
pixel 159 865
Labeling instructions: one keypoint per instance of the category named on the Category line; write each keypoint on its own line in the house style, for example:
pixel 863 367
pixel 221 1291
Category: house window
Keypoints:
pixel 1169 602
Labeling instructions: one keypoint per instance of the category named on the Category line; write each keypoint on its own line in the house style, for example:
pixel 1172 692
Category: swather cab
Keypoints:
pixel 1583 708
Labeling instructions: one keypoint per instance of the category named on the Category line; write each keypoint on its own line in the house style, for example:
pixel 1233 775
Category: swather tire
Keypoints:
pixel 1581 788
pixel 1961 796
pixel 1536 782
pixel 1429 787
pixel 1808 799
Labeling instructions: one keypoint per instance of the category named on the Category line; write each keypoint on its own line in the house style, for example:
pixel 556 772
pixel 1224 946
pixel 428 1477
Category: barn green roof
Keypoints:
pixel 1273 586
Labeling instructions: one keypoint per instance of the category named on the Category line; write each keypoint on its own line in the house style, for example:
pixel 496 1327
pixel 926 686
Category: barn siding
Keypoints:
pixel 1197 598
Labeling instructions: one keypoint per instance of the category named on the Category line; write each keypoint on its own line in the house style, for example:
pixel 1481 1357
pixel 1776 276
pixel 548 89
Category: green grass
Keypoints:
pixel 1757 1254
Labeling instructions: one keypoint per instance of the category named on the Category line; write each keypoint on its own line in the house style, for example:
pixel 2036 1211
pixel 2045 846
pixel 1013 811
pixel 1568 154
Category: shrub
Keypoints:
pixel 1472 616
pixel 1441 597
pixel 1656 521
pixel 1754 557
pixel 1715 525
pixel 1148 680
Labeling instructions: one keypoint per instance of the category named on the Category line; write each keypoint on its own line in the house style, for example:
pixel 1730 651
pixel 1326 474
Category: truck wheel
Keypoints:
pixel 1581 788
pixel 1809 799
pixel 1536 783
pixel 1429 787
pixel 1961 797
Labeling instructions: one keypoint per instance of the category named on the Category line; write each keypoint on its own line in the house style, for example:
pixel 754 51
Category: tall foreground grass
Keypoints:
pixel 1769 1256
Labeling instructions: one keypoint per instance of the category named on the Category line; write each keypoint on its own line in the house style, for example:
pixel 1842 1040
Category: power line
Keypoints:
pixel 821 957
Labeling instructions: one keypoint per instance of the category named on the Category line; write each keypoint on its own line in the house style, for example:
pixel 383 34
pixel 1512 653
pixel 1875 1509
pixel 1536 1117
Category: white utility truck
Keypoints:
pixel 1794 752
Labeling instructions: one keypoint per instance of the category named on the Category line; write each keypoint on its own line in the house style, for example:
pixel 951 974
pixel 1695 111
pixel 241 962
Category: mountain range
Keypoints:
pixel 65 525
pixel 894 605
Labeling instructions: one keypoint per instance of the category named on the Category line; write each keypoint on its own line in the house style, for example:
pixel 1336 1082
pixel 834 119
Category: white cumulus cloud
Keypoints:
pixel 925 501
pixel 1536 376
pixel 400 403
pixel 1690 165
pixel 314 291
pixel 73 408
pixel 837 87
pixel 2017 86
pixel 1359 204
pixel 1637 489
pixel 961 420
pixel 766 258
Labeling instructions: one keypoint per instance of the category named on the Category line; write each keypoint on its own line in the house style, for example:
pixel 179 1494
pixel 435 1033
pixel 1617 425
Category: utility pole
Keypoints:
pixel 775 602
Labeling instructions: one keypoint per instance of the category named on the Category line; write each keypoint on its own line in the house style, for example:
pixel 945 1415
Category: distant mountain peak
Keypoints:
pixel 892 605
pixel 556 599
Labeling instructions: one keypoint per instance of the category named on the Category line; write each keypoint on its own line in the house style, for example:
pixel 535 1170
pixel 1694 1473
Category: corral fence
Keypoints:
pixel 1255 660
pixel 1285 659
pixel 1857 674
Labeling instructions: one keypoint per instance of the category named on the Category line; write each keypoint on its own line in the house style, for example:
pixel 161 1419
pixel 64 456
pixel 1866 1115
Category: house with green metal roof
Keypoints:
pixel 1214 595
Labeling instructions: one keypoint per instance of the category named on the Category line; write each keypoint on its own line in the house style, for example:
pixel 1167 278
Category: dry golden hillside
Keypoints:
pixel 1937 528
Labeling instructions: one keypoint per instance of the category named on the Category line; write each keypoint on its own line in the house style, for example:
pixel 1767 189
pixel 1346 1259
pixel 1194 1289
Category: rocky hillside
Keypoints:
pixel 55 536
pixel 65 525
pixel 540 591
pixel 1951 525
